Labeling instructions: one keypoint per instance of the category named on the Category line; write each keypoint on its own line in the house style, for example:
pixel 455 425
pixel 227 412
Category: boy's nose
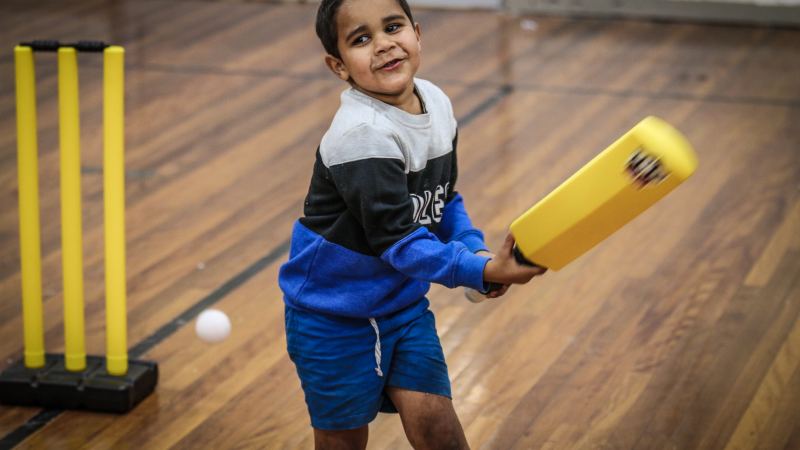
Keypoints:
pixel 383 43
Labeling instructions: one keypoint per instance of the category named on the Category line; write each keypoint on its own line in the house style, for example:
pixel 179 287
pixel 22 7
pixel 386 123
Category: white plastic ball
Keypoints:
pixel 212 326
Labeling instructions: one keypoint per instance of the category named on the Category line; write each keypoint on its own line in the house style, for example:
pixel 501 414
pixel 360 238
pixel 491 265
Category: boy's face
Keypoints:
pixel 379 48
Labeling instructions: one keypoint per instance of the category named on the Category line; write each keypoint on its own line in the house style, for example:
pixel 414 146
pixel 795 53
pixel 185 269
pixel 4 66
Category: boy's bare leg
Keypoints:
pixel 341 439
pixel 429 420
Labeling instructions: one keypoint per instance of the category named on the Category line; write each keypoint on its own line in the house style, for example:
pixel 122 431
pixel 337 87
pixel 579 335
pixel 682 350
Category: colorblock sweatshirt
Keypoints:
pixel 382 219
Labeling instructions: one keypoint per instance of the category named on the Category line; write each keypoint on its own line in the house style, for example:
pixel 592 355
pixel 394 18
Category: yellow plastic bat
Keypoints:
pixel 626 178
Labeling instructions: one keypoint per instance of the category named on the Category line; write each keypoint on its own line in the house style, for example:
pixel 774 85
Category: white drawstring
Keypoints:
pixel 377 346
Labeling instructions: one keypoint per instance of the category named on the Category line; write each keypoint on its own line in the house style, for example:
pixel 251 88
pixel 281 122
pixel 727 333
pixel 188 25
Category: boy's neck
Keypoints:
pixel 407 101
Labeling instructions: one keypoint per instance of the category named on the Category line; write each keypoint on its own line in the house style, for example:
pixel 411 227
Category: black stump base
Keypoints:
pixel 53 386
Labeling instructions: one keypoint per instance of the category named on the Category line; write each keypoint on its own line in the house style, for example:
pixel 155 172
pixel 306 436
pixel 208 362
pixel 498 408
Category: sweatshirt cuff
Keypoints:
pixel 469 271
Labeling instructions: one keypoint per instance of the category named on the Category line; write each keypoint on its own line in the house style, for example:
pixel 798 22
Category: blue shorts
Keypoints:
pixel 337 361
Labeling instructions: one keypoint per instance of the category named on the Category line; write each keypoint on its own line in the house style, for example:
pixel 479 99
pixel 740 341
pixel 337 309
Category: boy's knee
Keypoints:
pixel 432 437
pixel 437 431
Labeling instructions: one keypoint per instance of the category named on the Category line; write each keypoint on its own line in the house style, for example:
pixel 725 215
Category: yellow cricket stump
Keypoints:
pixel 114 208
pixel 71 235
pixel 29 240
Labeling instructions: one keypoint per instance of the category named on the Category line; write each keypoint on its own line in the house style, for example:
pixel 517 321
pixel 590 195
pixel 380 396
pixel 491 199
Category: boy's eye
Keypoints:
pixel 392 27
pixel 360 39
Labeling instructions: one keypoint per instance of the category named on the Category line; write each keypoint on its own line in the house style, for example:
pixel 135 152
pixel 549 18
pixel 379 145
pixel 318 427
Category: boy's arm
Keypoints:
pixel 457 226
pixel 375 191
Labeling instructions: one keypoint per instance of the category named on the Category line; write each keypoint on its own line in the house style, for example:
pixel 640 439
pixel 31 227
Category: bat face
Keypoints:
pixel 625 179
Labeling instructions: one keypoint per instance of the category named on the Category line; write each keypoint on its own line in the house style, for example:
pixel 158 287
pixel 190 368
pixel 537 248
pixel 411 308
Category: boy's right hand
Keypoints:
pixel 504 268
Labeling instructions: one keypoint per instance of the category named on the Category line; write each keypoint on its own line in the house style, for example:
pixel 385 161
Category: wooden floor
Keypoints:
pixel 679 332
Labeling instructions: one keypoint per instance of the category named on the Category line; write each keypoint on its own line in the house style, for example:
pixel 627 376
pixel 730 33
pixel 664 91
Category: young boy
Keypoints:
pixel 381 222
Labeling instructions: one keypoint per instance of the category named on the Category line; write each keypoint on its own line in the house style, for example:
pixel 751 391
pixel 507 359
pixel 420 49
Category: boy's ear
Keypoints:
pixel 418 31
pixel 337 67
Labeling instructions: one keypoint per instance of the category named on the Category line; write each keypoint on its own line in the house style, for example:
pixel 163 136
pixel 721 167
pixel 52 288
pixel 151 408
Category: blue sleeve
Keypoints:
pixel 457 226
pixel 422 255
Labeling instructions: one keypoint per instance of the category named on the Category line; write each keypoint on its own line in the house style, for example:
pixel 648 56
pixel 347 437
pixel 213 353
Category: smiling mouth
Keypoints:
pixel 391 65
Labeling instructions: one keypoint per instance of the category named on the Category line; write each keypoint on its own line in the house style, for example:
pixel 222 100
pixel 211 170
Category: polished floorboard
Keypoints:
pixel 681 331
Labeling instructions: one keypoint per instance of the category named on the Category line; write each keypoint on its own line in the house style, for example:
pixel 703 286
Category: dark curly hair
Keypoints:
pixel 326 23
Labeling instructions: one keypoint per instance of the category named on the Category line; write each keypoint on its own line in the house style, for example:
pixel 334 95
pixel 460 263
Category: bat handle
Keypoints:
pixel 521 260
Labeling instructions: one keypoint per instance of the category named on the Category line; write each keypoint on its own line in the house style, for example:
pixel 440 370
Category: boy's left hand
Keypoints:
pixel 503 288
